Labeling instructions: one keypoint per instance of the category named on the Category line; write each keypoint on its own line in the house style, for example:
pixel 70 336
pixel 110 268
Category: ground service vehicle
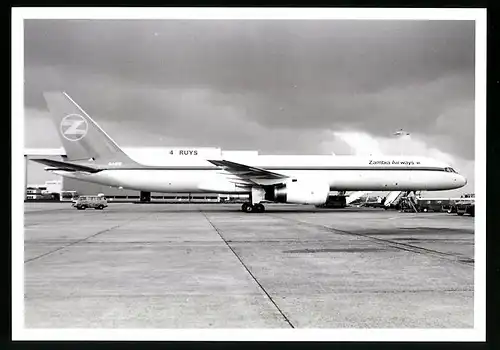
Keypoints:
pixel 435 205
pixel 334 202
pixel 465 207
pixel 465 204
pixel 96 202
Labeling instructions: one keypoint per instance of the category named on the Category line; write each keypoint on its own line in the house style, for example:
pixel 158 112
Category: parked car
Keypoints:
pixel 96 202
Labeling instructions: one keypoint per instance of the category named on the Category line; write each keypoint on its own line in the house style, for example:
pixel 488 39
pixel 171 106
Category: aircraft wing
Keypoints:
pixel 245 174
pixel 65 165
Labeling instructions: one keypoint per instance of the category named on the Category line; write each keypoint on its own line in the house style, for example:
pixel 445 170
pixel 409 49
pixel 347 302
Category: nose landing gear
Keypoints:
pixel 256 208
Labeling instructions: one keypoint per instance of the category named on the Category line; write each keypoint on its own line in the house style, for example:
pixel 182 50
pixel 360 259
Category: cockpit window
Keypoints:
pixel 450 170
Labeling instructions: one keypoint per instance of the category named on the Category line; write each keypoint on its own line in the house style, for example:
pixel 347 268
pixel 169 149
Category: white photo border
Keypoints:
pixel 19 332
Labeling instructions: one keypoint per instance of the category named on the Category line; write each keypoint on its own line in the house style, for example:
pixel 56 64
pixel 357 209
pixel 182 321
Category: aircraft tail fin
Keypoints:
pixel 83 140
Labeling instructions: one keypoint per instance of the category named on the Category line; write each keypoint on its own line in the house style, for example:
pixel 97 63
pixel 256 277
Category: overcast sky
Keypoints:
pixel 289 87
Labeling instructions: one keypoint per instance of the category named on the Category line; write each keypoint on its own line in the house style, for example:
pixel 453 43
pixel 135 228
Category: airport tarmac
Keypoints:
pixel 211 265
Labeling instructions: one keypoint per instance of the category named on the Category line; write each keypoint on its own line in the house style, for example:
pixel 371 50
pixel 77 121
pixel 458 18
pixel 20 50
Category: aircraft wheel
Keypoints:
pixel 259 208
pixel 247 207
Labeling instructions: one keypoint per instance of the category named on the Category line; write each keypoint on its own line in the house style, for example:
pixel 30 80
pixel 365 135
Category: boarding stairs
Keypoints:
pixel 403 198
pixel 408 202
pixel 354 196
pixel 393 198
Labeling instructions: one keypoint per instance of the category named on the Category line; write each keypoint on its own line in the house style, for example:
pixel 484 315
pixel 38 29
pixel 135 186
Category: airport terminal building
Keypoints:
pixel 87 188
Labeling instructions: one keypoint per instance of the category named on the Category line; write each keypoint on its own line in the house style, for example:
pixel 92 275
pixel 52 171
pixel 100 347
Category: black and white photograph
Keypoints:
pixel 282 173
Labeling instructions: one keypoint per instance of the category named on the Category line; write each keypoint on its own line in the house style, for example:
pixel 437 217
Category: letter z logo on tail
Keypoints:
pixel 74 127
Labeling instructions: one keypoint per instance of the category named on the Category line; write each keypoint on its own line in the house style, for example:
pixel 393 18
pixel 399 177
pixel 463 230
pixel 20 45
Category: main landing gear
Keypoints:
pixel 256 208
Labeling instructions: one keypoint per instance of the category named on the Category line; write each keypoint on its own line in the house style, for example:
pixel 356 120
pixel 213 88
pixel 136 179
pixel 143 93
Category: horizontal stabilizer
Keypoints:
pixel 66 165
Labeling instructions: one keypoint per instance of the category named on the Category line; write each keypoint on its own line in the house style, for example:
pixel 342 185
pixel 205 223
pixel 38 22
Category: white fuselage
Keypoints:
pixel 342 173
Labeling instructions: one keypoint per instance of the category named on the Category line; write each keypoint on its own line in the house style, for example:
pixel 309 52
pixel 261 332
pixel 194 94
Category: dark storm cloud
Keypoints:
pixel 261 84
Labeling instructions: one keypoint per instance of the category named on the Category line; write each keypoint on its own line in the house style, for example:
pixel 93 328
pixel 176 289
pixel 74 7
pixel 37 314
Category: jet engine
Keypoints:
pixel 307 192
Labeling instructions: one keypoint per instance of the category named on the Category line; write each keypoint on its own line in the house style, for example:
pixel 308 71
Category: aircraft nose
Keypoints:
pixel 461 180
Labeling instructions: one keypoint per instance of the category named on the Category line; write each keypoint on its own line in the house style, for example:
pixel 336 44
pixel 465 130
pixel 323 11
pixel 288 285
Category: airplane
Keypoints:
pixel 92 156
pixel 401 132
